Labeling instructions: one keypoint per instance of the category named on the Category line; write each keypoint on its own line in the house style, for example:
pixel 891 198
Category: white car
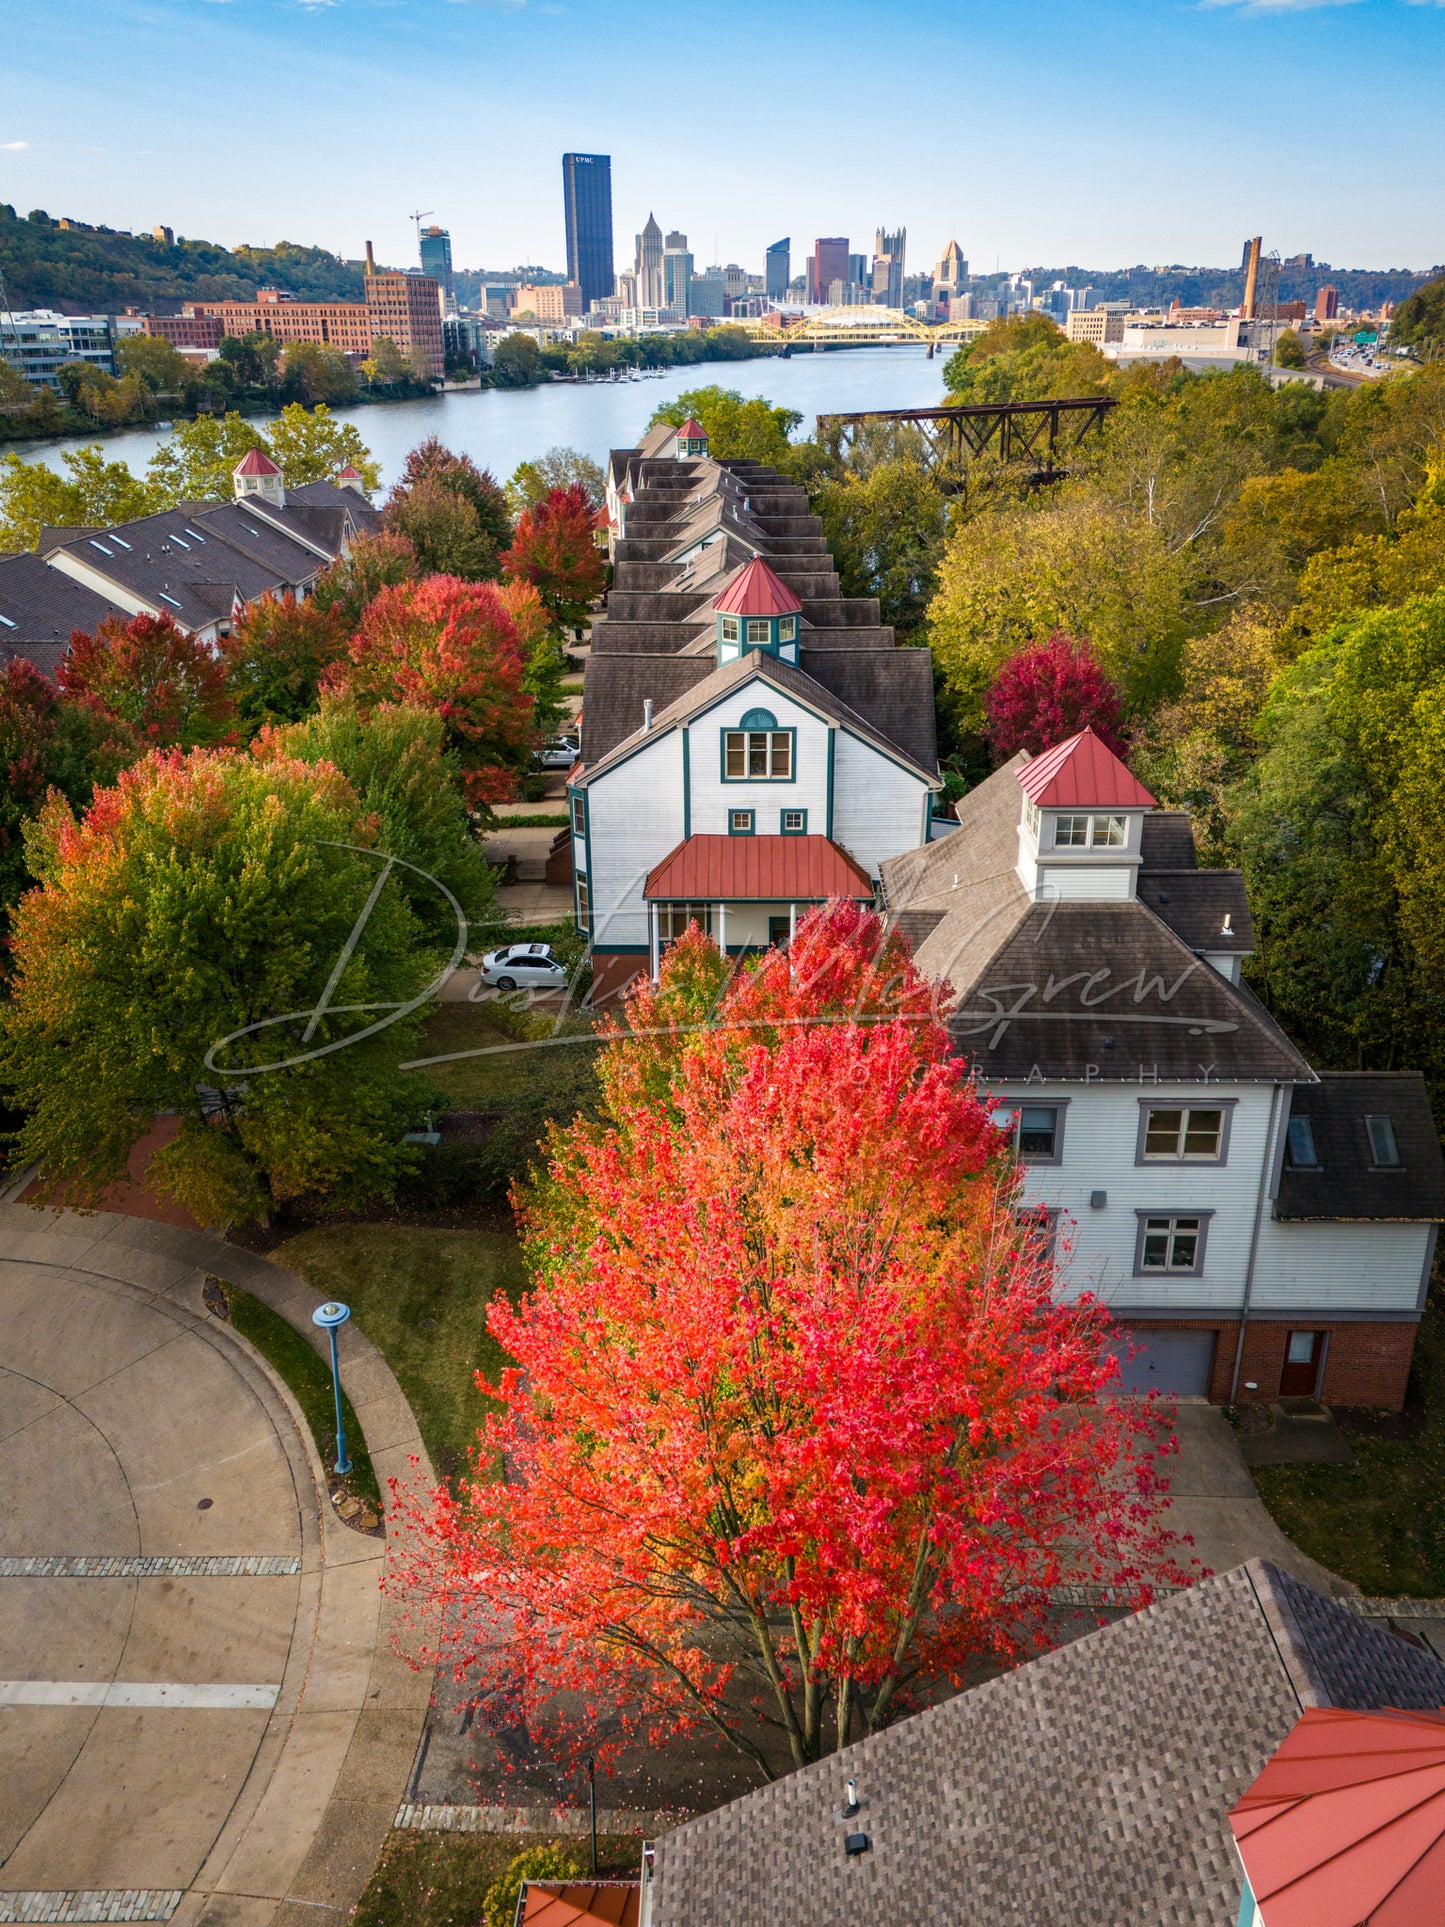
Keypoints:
pixel 561 754
pixel 524 966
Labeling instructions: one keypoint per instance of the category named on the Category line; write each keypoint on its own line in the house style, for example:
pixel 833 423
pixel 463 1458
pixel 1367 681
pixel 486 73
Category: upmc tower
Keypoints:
pixel 587 196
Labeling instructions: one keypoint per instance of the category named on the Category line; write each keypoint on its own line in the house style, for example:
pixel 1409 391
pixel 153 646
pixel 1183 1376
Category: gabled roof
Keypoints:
pixel 1347 1184
pixel 692 430
pixel 350 473
pixel 1081 773
pixel 580 1903
pixel 1345 1827
pixel 1087 1788
pixel 40 608
pixel 757 869
pixel 756 591
pixel 255 462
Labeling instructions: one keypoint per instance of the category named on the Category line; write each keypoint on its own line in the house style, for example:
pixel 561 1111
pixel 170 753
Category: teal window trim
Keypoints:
pixel 751 826
pixel 686 785
pixel 790 733
pixel 578 802
pixel 832 752
pixel 787 829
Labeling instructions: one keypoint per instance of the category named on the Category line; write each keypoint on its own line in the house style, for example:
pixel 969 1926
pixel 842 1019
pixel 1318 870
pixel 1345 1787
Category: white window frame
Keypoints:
pixel 729 630
pixel 760 630
pixel 1100 832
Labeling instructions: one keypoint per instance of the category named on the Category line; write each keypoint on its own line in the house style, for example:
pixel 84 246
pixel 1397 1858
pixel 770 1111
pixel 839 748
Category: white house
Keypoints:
pixel 1261 1229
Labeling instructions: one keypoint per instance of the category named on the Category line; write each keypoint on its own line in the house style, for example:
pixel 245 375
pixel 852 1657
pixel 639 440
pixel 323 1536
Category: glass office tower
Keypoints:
pixel 778 269
pixel 587 200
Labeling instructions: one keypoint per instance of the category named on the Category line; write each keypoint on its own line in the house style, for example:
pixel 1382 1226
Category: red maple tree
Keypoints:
pixel 554 549
pixel 1048 692
pixel 162 683
pixel 796 1424
pixel 450 646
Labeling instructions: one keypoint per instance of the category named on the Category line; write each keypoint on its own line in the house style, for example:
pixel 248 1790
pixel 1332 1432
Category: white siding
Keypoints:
pixel 712 798
pixel 877 806
pixel 1360 1267
pixel 634 818
pixel 1086 883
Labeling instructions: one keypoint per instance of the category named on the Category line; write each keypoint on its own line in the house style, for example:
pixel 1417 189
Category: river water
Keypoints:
pixel 500 427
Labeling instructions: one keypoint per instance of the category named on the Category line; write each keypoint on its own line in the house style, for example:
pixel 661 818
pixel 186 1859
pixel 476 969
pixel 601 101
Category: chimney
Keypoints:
pixel 647 712
pixel 1251 280
pixel 370 260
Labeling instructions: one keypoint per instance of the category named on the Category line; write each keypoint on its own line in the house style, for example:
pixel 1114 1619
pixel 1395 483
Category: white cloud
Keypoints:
pixel 13 147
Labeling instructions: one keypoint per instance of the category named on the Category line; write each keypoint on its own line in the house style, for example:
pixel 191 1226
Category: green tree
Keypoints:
pixel 195 464
pixel 314 372
pixel 311 446
pixel 157 362
pixel 1421 316
pixel 93 493
pixel 444 532
pixel 253 358
pixel 533 1863
pixel 203 894
pixel 386 364
pixel 276 655
pixel 737 430
pixel 15 390
pixel 517 362
pixel 1289 350
pixel 532 482
pixel 1026 358
pixel 885 530
pixel 372 563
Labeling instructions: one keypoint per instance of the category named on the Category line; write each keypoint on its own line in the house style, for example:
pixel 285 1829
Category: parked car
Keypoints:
pixel 524 966
pixel 561 754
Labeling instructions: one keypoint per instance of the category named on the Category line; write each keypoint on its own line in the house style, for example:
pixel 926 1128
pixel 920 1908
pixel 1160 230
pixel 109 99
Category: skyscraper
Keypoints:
pixel 830 261
pixel 587 203
pixel 648 266
pixel 436 260
pixel 676 273
pixel 778 269
pixel 950 275
pixel 888 250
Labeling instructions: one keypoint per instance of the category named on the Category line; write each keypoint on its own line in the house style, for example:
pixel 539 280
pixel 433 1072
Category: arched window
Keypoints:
pixel 759 719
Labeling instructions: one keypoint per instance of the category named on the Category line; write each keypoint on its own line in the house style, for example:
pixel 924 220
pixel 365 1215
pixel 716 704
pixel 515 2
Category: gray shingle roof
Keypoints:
pixel 1168 841
pixel 1348 1185
pixel 1195 903
pixel 1088 1788
pixel 40 608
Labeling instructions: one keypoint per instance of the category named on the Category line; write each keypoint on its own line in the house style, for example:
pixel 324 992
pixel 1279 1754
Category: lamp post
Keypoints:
pixel 331 1317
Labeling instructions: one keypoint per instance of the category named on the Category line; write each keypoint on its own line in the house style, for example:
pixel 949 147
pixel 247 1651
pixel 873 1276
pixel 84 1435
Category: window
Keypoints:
pixel 759 629
pixel 758 753
pixel 793 822
pixel 1183 1135
pixel 729 628
pixel 1170 1244
pixel 1090 832
pixel 579 816
pixel 788 629
pixel 740 822
pixel 673 919
pixel 583 899
pixel 1384 1151
pixel 1031 818
pixel 1043 1224
pixel 1038 1132
pixel 1300 1145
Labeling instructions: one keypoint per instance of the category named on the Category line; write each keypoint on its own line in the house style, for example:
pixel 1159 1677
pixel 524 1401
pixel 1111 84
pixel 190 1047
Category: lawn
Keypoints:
pixel 421 1296
pixel 526 1074
pixel 1380 1522
pixel 441 1879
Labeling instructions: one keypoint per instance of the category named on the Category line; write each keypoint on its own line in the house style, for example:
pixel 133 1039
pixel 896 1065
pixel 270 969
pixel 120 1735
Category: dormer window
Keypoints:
pixel 729 631
pixel 788 629
pixel 1090 832
pixel 1384 1151
pixel 760 631
pixel 1300 1145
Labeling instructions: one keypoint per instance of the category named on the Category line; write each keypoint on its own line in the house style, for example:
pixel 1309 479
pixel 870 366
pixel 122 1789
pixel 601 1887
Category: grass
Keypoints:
pixel 288 1353
pixel 534 820
pixel 1380 1522
pixel 441 1879
pixel 538 1079
pixel 421 1295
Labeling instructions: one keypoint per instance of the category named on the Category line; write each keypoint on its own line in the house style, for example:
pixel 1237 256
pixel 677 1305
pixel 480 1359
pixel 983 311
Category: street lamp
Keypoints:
pixel 331 1317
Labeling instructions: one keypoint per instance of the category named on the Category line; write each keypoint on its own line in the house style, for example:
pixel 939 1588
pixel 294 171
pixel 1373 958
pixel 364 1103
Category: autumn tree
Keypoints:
pixel 795 1424
pixel 432 465
pixel 443 530
pixel 275 657
pixel 533 481
pixel 180 917
pixel 371 563
pixel 1047 693
pixel 555 549
pixel 161 682
pixel 452 647
pixel 542 651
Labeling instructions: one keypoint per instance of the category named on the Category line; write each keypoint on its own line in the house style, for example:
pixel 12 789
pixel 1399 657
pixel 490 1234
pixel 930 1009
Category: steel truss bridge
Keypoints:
pixel 866 327
pixel 1043 433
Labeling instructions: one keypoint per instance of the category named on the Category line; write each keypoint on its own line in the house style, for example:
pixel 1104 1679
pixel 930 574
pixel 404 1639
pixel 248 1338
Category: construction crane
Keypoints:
pixel 417 218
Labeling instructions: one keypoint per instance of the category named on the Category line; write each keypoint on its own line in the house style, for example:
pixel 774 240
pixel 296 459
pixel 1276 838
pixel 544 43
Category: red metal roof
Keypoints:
pixel 349 474
pixel 692 430
pixel 1345 1827
pixel 760 869
pixel 253 462
pixel 756 591
pixel 582 1903
pixel 1081 773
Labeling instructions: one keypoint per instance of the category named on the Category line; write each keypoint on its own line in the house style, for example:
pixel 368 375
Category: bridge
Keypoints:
pixel 1045 433
pixel 866 327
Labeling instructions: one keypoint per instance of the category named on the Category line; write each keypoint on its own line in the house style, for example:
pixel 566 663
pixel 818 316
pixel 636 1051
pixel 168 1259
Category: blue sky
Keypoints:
pixel 1095 131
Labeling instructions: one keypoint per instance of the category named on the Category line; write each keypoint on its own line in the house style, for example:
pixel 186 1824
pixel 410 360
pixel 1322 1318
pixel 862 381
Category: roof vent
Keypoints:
pixel 856 1843
pixel 647 712
pixel 1226 929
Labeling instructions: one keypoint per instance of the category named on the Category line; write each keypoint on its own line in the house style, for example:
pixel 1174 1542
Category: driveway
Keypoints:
pixel 200 1718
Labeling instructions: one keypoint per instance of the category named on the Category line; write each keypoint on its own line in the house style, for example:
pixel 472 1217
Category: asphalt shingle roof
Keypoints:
pixel 1348 1184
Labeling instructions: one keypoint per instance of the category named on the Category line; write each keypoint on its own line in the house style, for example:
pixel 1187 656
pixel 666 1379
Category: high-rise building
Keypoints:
pixel 1327 302
pixel 888 251
pixel 677 274
pixel 647 266
pixel 949 276
pixel 436 260
pixel 587 204
pixel 778 269
pixel 829 262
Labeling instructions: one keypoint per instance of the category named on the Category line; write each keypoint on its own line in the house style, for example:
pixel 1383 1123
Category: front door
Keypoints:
pixel 1303 1354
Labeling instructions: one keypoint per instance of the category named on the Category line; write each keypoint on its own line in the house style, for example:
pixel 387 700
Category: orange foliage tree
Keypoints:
pixel 796 1425
pixel 554 550
pixel 450 646
pixel 166 686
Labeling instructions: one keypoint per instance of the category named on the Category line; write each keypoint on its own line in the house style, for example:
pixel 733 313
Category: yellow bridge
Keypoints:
pixel 848 327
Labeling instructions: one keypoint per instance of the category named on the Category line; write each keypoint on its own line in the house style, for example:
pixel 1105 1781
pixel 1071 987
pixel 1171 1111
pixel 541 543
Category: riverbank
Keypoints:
pixel 500 427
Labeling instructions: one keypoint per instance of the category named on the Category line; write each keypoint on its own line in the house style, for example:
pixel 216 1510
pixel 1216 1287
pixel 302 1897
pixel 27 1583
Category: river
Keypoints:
pixel 500 427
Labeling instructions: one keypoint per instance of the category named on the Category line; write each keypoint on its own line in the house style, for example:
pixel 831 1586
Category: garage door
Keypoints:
pixel 1165 1361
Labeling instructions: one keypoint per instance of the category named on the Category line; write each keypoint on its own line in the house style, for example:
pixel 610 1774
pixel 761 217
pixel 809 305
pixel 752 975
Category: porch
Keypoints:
pixel 746 892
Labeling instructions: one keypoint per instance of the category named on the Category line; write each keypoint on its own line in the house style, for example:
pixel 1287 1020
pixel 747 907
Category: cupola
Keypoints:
pixel 1081 822
pixel 351 477
pixel 257 474
pixel 691 440
pixel 757 610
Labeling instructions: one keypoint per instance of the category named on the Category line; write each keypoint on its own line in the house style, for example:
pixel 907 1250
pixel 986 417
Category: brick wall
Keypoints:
pixel 1365 1364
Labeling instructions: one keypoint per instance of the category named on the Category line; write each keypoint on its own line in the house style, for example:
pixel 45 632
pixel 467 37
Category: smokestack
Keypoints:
pixel 1251 279
pixel 647 712
pixel 370 260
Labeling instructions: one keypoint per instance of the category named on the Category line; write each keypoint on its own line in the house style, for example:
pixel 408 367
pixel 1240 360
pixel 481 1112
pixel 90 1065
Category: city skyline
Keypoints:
pixel 1135 100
